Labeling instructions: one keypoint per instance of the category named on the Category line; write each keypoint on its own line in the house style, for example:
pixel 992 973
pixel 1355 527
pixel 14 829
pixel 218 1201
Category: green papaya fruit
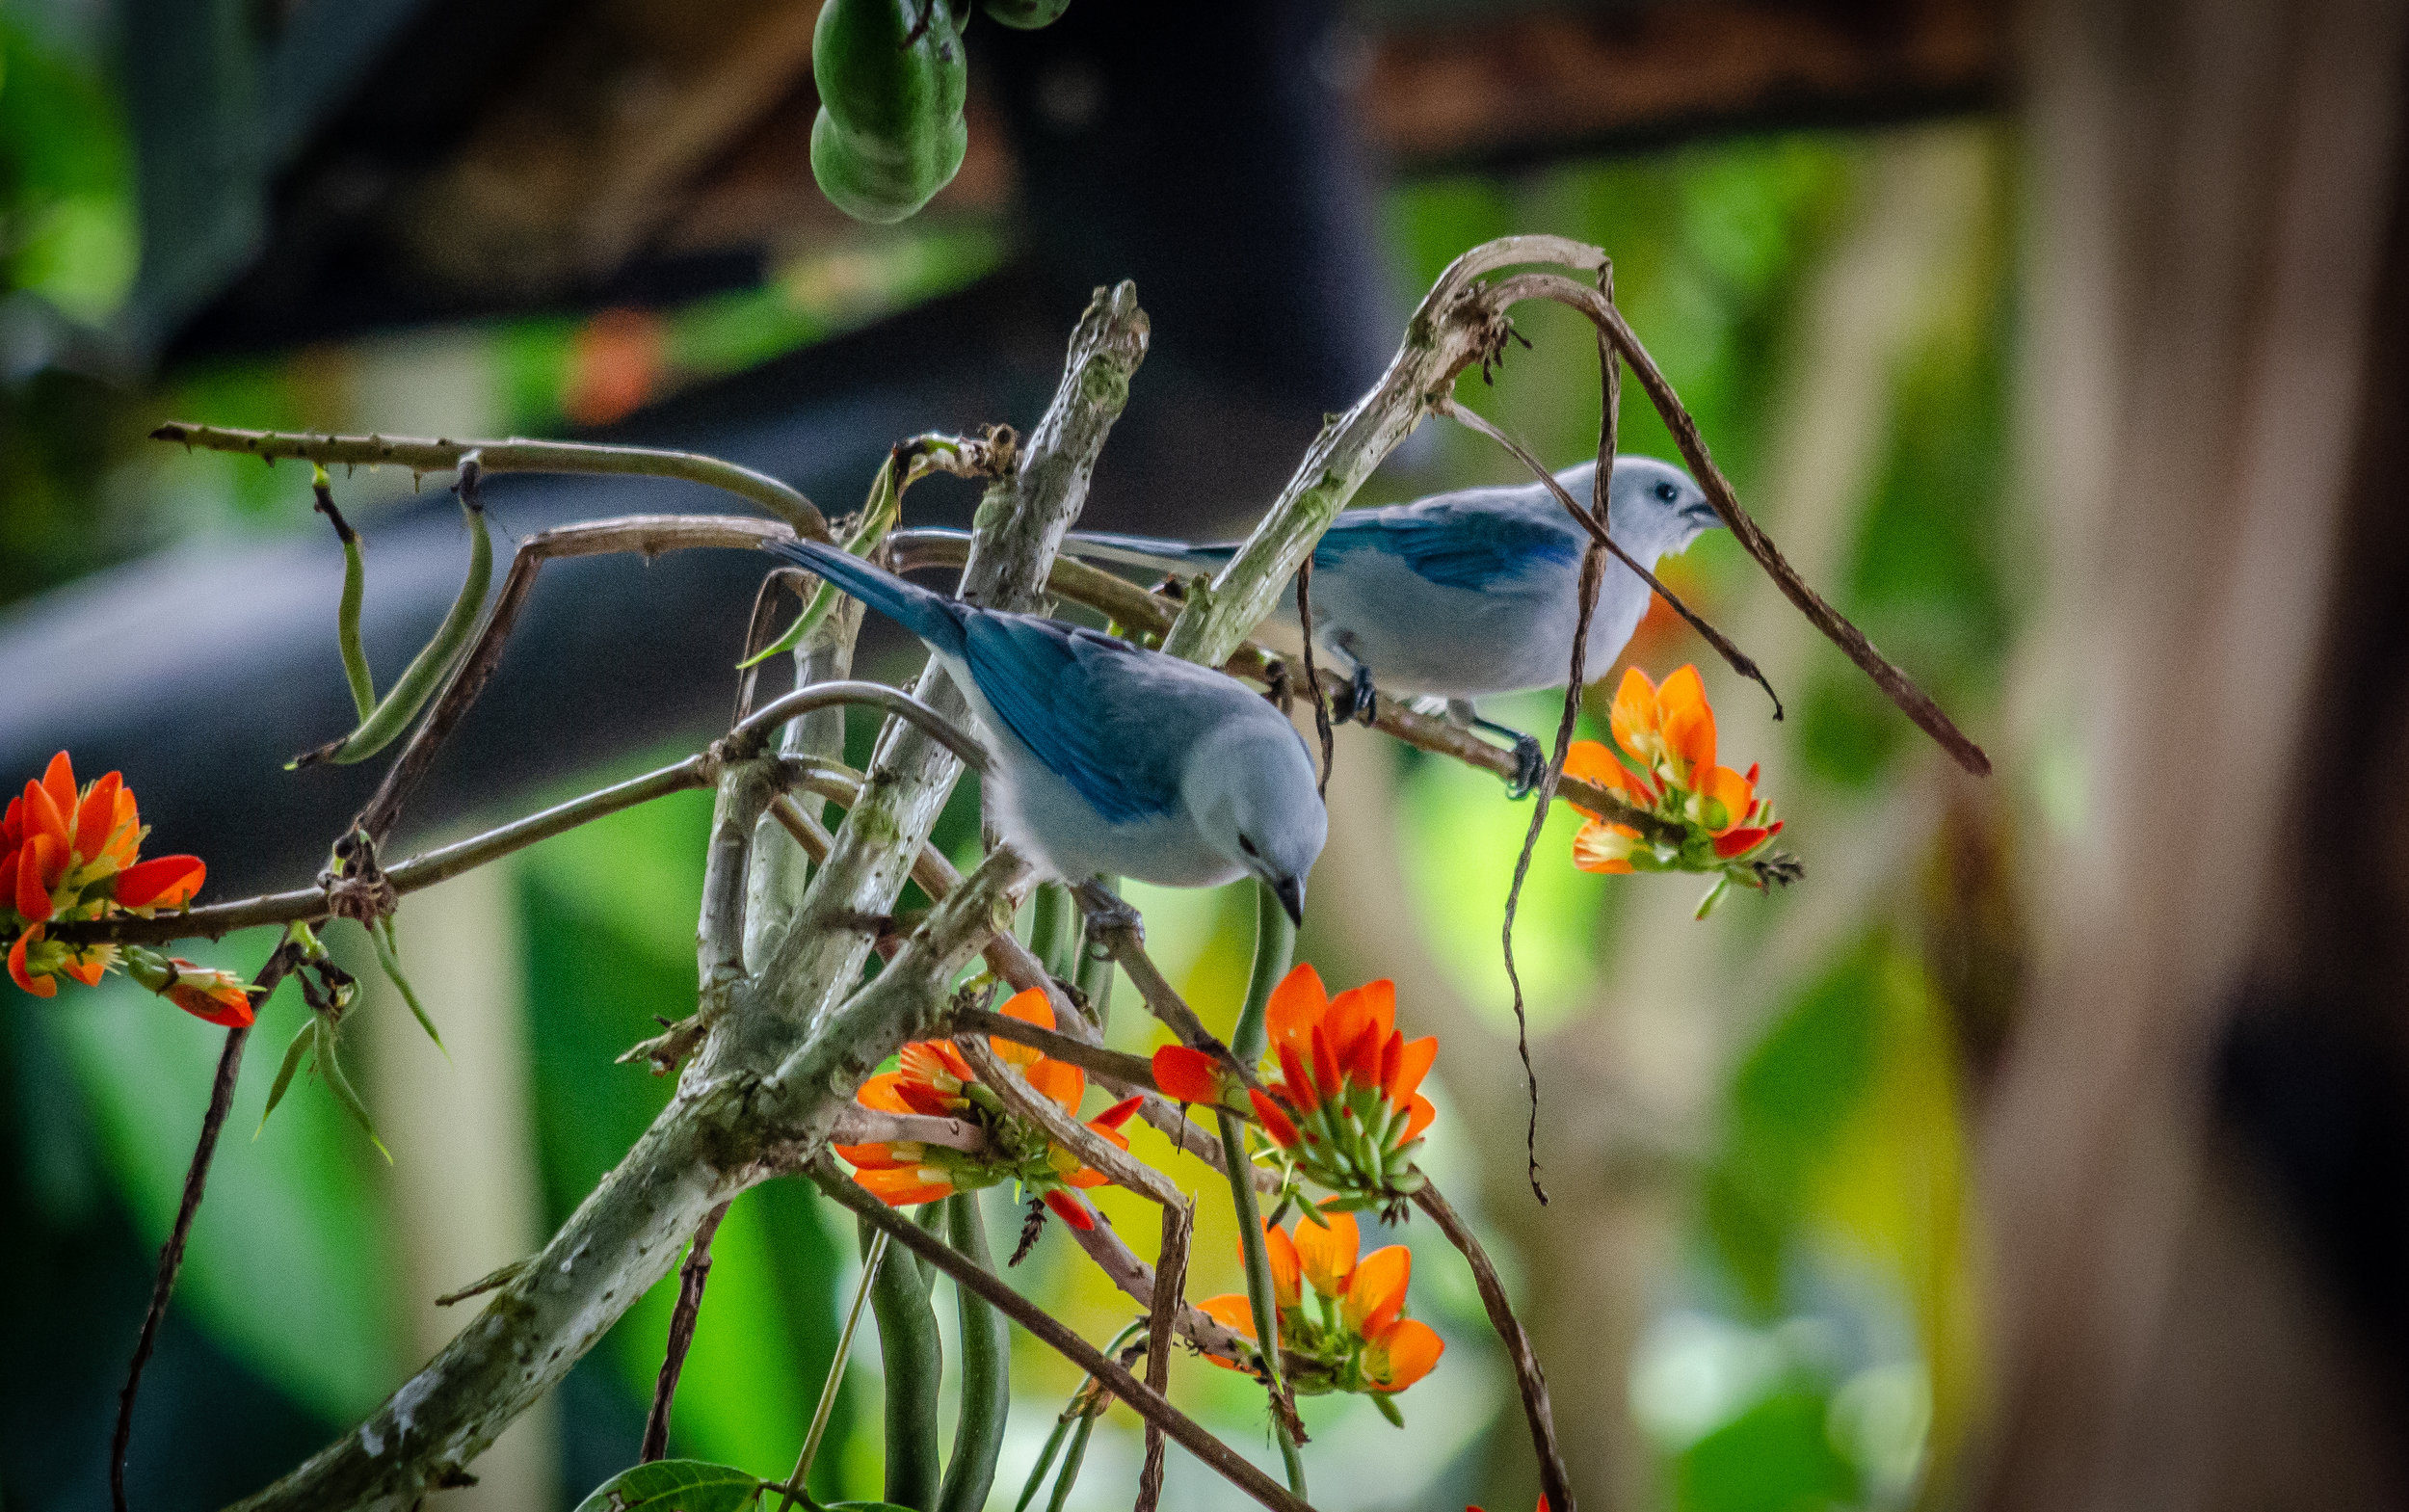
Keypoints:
pixel 1026 15
pixel 891 77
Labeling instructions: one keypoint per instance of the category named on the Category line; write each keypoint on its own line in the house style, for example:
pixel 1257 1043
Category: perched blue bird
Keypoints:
pixel 1464 594
pixel 1109 758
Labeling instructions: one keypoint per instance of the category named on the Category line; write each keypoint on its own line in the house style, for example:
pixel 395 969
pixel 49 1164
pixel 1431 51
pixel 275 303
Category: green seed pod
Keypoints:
pixel 890 133
pixel 1026 15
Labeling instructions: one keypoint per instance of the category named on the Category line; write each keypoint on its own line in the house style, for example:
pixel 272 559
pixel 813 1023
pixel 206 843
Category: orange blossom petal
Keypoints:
pixel 1327 1254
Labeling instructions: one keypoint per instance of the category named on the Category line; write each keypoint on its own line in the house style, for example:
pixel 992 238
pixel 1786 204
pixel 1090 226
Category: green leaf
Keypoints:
pixel 340 1085
pixel 675 1486
pixel 389 957
pixel 292 1055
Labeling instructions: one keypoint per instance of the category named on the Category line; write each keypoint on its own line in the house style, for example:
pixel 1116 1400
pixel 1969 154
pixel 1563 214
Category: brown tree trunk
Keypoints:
pixel 2214 393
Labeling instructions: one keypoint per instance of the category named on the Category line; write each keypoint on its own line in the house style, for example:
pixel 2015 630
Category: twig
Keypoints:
pixel 1171 1274
pixel 834 1380
pixel 1532 1382
pixel 753 731
pixel 1098 1155
pixel 1596 519
pixel 1738 660
pixel 1135 1277
pixel 1912 700
pixel 1125 1071
pixel 172 1253
pixel 309 905
pixel 856 1125
pixel 1123 939
pixel 1142 1398
pixel 516 455
pixel 692 1278
pixel 647 535
pixel 1312 677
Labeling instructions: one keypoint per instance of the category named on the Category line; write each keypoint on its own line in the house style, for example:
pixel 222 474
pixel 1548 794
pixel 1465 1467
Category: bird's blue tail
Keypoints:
pixel 1150 551
pixel 932 617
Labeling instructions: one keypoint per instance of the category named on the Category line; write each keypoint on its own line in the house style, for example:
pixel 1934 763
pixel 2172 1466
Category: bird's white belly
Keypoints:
pixel 1040 815
pixel 1420 637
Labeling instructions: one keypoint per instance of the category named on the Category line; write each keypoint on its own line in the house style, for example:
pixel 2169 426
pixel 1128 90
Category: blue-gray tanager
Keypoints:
pixel 1463 595
pixel 1109 758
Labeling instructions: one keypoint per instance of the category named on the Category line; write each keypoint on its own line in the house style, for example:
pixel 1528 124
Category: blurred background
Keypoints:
pixel 2045 1148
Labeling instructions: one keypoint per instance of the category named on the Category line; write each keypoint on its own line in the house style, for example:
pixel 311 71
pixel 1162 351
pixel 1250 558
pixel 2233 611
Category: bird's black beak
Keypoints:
pixel 1291 895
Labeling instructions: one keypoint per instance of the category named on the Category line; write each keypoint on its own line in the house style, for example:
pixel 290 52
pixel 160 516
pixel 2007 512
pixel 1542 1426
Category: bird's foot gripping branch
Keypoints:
pixel 1140 751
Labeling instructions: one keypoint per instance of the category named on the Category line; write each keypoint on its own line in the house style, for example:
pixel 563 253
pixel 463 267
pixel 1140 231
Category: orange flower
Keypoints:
pixel 1663 762
pixel 69 855
pixel 1345 1108
pixel 933 1081
pixel 1351 1334
pixel 219 998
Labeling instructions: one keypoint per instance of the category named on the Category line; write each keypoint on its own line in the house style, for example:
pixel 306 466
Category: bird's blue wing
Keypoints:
pixel 1455 544
pixel 1063 691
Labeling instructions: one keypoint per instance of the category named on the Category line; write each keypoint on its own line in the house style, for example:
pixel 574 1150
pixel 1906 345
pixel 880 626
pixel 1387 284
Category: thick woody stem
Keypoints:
pixel 716 1138
pixel 1019 522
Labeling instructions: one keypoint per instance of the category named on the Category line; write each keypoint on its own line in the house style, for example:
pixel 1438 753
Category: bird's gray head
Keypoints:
pixel 1251 788
pixel 1654 507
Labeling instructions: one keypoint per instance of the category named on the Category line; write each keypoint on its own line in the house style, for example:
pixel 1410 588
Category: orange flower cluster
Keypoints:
pixel 934 1080
pixel 1346 1110
pixel 68 854
pixel 1351 1334
pixel 1662 761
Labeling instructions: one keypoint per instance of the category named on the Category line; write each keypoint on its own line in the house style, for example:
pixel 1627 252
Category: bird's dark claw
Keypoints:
pixel 1530 764
pixel 1359 699
pixel 1105 911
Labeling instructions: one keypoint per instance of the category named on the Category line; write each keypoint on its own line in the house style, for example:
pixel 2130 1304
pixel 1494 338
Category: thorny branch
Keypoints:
pixel 172 1253
pixel 516 455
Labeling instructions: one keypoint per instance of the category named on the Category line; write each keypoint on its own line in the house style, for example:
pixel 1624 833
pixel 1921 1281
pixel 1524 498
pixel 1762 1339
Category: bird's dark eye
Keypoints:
pixel 1667 493
pixel 1248 846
